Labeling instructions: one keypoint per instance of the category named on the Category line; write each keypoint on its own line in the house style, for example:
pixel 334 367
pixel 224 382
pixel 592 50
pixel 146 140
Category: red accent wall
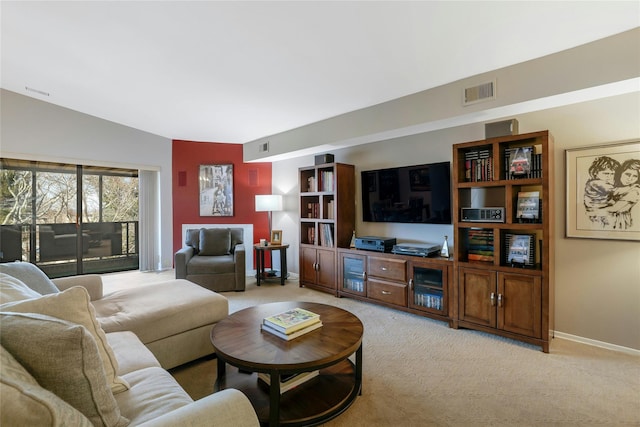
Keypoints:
pixel 249 179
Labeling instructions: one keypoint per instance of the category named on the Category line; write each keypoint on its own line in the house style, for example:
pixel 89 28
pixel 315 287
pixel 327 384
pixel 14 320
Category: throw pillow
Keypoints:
pixel 24 402
pixel 215 241
pixel 63 358
pixel 30 275
pixel 73 305
pixel 12 289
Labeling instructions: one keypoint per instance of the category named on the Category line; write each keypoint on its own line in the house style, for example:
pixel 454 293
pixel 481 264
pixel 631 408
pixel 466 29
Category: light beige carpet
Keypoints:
pixel 419 372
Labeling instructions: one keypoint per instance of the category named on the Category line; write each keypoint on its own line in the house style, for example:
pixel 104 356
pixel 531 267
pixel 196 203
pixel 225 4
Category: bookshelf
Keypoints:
pixel 327 221
pixel 504 270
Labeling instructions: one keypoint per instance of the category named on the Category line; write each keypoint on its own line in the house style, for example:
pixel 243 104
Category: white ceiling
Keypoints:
pixel 238 71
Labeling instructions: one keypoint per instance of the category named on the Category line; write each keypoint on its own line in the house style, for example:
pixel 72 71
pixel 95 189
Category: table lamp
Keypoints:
pixel 268 203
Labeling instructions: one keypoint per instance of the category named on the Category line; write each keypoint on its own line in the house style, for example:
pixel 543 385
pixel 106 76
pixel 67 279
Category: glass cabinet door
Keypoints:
pixel 427 289
pixel 353 274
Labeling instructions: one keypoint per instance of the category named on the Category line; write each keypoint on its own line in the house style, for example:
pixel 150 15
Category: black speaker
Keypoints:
pixel 321 159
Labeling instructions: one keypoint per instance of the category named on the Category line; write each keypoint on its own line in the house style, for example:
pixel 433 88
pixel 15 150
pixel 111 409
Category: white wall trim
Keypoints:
pixel 247 235
pixel 595 343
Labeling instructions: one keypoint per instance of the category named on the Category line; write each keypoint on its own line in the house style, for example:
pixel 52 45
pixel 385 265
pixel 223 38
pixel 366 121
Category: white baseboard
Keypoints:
pixel 596 343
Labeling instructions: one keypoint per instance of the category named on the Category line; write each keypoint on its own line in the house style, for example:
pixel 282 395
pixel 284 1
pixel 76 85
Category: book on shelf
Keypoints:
pixel 520 249
pixel 528 206
pixel 326 235
pixel 291 335
pixel 287 382
pixel 478 165
pixel 522 162
pixel 327 180
pixel 480 245
pixel 311 184
pixel 292 320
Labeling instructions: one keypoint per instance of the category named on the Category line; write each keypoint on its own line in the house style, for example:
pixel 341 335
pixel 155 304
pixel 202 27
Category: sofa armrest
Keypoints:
pixel 91 282
pixel 228 407
pixel 239 258
pixel 180 261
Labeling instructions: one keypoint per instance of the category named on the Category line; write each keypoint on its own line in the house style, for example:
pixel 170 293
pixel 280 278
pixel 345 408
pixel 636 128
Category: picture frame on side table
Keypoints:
pixel 276 237
pixel 603 192
pixel 216 190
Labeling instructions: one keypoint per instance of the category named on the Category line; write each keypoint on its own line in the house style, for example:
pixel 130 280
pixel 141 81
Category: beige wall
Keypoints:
pixel 597 281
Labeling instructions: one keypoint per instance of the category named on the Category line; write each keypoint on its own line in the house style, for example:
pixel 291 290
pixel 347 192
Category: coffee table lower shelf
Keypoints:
pixel 311 403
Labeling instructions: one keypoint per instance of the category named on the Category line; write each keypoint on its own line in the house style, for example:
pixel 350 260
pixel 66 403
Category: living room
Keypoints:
pixel 580 314
pixel 586 96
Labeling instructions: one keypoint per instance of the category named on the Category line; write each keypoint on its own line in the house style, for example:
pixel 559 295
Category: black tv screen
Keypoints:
pixel 410 194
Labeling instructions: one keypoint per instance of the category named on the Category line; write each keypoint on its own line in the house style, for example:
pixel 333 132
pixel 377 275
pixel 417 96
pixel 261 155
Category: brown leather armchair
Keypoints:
pixel 214 258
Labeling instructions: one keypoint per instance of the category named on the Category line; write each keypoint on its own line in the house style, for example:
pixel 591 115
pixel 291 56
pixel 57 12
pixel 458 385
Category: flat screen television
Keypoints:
pixel 409 194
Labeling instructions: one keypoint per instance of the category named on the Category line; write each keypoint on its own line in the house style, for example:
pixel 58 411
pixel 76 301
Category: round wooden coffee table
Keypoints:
pixel 239 341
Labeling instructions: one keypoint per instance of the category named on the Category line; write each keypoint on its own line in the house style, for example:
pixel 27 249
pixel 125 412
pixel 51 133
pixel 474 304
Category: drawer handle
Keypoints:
pixel 386 292
pixel 383 268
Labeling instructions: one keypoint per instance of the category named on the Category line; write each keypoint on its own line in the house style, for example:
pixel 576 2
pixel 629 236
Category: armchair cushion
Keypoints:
pixel 30 275
pixel 63 358
pixel 215 241
pixel 192 239
pixel 212 265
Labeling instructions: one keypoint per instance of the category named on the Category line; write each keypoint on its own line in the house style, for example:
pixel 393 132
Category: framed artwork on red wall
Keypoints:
pixel 216 190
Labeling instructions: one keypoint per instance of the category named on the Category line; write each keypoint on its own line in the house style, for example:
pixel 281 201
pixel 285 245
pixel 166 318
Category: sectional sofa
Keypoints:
pixel 73 356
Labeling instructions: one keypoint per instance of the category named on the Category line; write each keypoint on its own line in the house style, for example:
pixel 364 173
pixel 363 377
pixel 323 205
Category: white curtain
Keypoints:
pixel 149 228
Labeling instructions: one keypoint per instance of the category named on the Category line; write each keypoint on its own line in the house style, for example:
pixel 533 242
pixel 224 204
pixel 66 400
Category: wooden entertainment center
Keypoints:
pixel 490 283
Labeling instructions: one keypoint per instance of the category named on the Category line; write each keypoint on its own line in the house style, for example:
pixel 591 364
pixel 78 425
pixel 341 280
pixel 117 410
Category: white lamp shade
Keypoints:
pixel 268 202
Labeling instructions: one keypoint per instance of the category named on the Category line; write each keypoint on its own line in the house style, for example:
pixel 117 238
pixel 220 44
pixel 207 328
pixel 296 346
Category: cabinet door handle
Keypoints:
pixel 500 300
pixel 386 293
pixel 411 284
pixel 493 299
pixel 383 268
pixel 364 275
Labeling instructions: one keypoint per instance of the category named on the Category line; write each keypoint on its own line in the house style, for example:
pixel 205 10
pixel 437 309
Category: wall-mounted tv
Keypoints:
pixel 410 194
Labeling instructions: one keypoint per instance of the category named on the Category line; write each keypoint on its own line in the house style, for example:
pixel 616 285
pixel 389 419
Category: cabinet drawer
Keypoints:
pixel 387 268
pixel 390 293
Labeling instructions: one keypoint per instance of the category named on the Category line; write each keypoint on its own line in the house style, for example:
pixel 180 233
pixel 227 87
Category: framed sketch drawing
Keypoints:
pixel 603 192
pixel 216 190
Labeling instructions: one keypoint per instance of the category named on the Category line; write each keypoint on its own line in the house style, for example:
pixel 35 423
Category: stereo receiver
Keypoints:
pixel 483 214
pixel 374 243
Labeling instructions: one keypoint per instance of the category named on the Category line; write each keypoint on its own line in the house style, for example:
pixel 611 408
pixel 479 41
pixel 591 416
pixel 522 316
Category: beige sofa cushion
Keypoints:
pixel 12 289
pixel 132 355
pixel 145 312
pixel 73 305
pixel 63 357
pixel 30 275
pixel 24 403
pixel 153 392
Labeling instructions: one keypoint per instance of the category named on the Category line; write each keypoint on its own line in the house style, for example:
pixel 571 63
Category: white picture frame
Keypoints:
pixel 603 191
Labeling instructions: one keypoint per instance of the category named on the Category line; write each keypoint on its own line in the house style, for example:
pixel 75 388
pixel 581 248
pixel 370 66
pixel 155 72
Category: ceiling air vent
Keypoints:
pixel 264 147
pixel 479 93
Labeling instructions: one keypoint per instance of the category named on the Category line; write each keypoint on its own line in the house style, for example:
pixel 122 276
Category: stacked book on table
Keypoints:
pixel 287 382
pixel 292 323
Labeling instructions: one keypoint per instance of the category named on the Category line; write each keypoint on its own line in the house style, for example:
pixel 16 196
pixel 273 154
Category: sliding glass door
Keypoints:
pixel 69 219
